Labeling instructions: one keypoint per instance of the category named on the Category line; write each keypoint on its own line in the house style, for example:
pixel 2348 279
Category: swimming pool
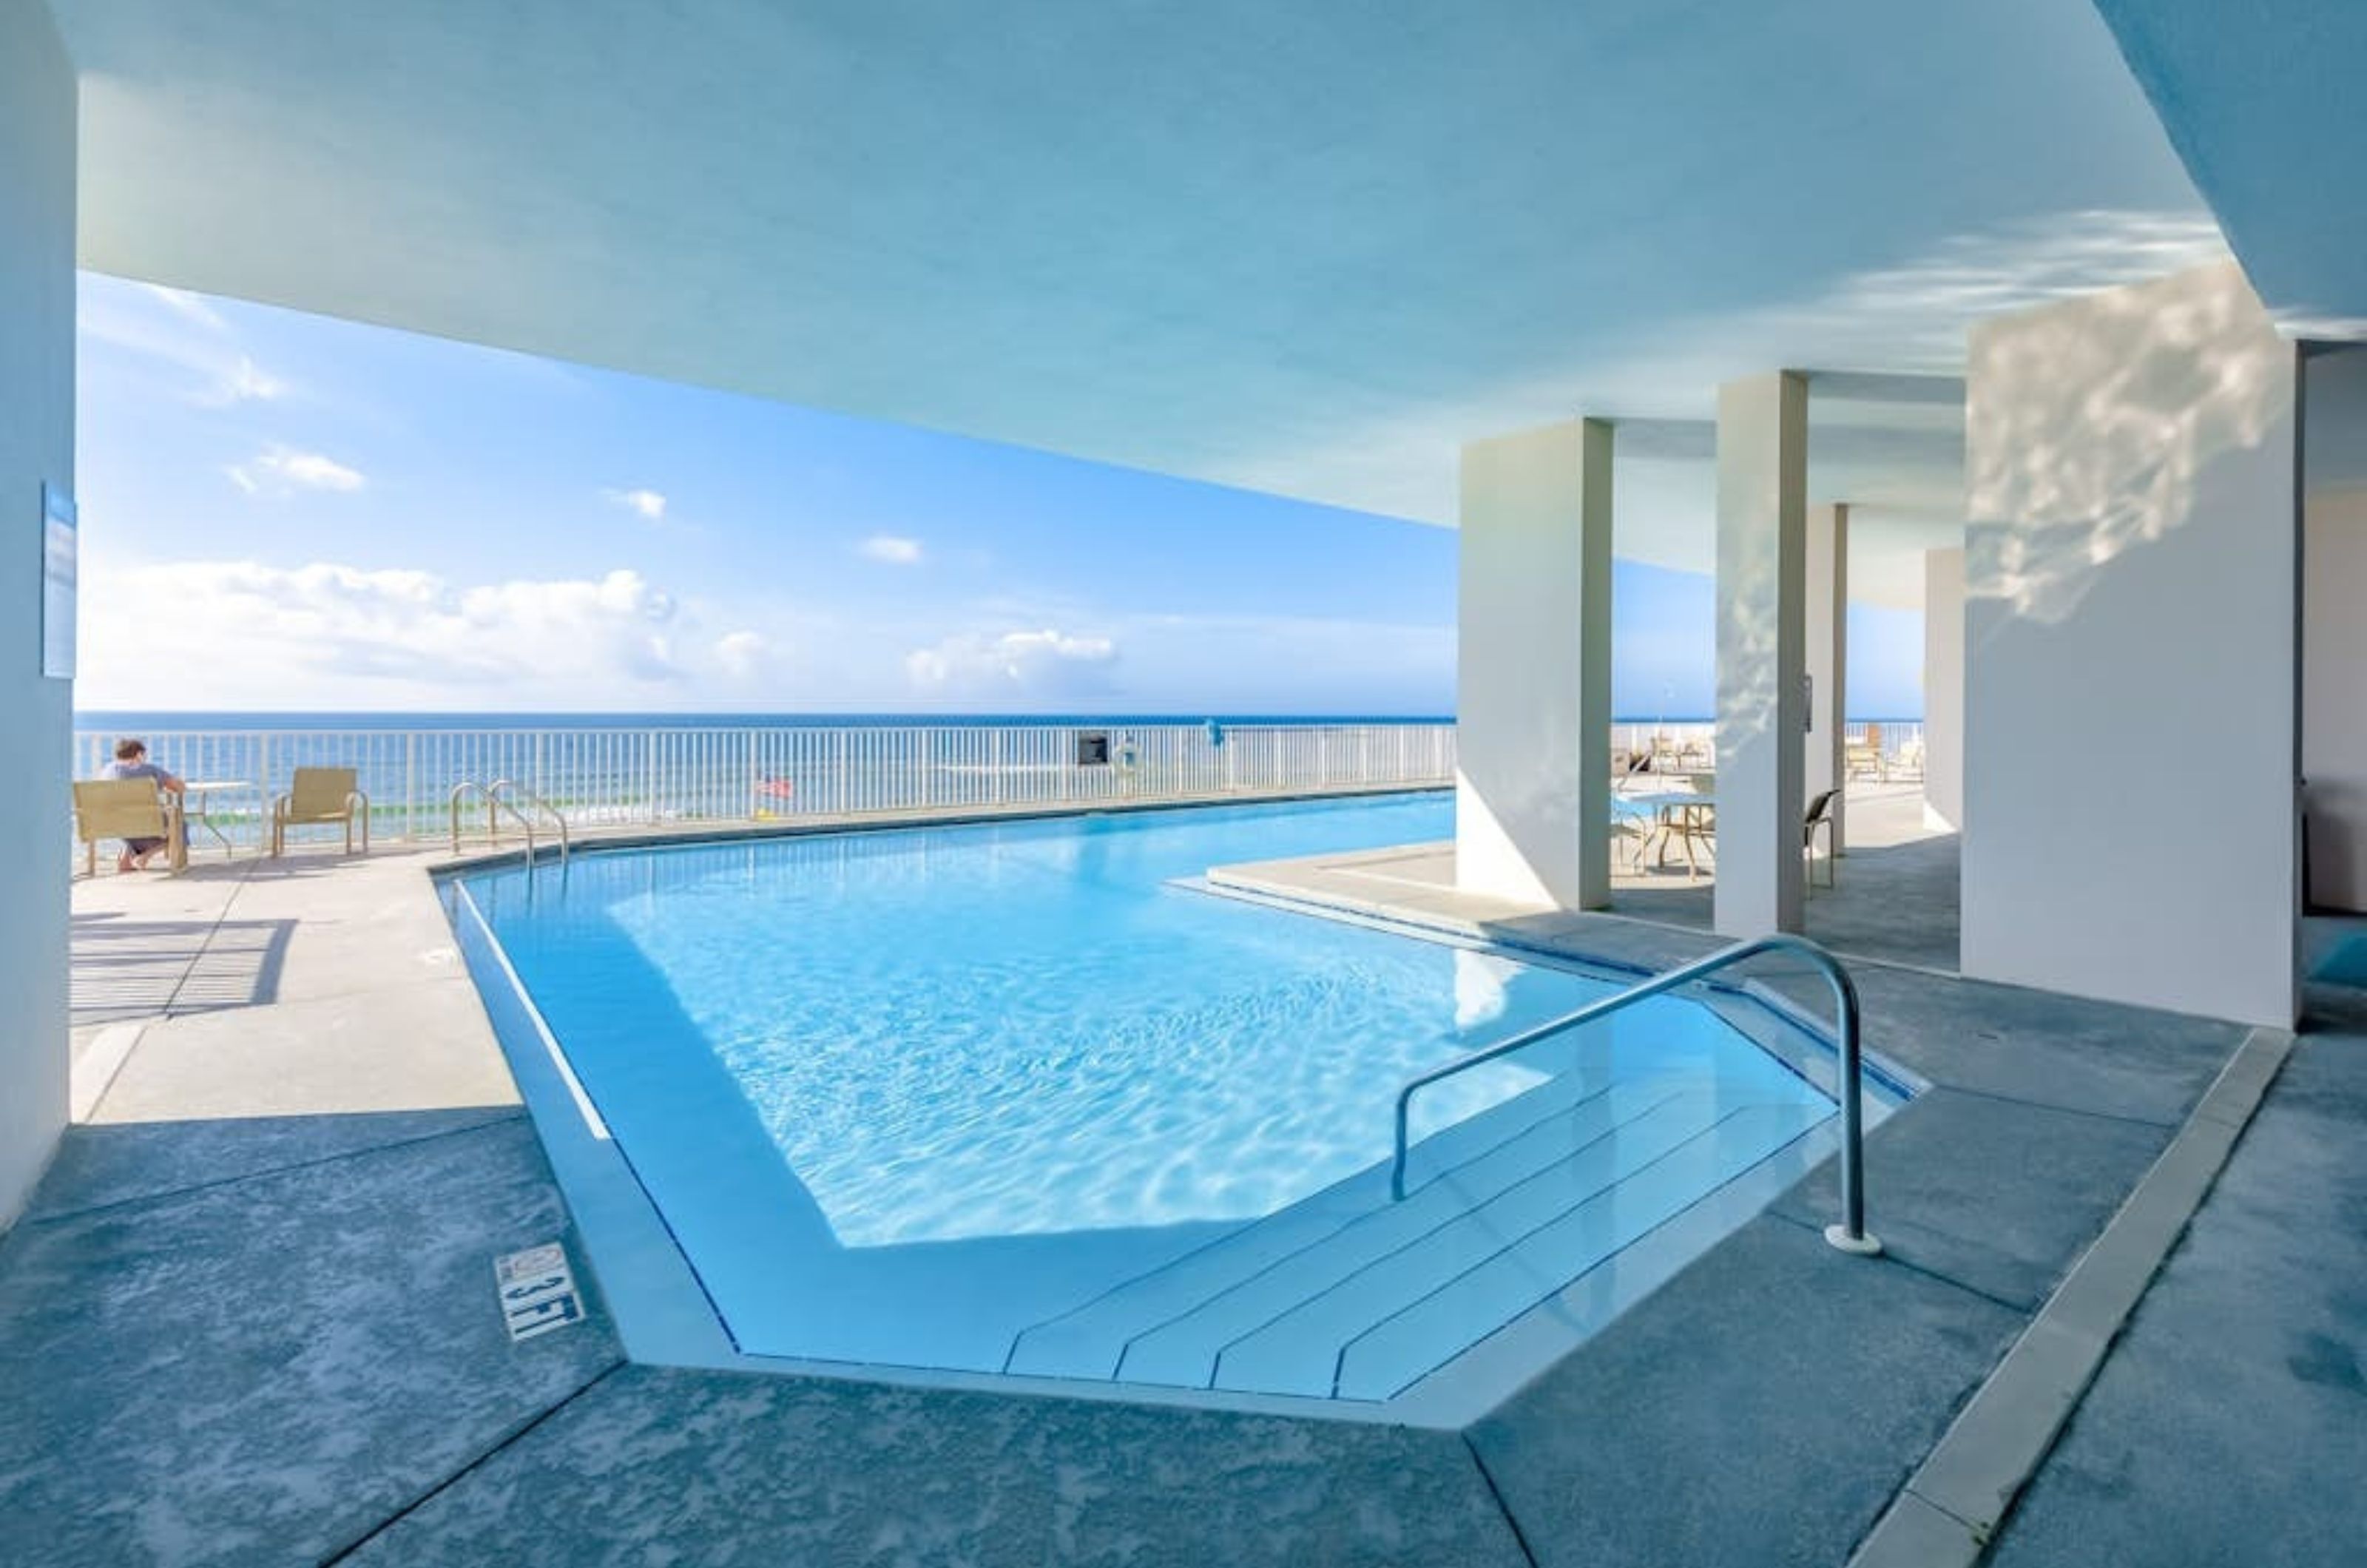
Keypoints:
pixel 1025 1097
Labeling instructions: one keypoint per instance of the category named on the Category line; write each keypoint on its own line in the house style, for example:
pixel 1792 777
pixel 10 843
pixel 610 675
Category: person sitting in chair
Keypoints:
pixel 132 762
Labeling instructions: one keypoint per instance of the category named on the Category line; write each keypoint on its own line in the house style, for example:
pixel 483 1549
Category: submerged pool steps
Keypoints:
pixel 1351 1295
pixel 1091 1340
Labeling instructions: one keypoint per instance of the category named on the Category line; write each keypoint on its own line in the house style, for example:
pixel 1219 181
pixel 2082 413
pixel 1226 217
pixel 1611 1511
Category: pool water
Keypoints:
pixel 1024 1096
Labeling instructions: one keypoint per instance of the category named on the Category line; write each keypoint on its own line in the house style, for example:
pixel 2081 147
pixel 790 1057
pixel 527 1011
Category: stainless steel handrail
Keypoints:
pixel 502 788
pixel 1849 1235
pixel 460 791
pixel 495 807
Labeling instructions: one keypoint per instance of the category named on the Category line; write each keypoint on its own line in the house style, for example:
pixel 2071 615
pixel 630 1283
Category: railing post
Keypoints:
pixel 410 783
pixel 654 777
pixel 1849 1235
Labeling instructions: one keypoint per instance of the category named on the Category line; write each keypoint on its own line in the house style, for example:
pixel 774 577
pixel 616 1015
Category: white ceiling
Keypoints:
pixel 2263 102
pixel 1306 248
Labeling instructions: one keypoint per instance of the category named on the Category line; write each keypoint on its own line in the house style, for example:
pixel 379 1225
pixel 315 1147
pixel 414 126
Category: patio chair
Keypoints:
pixel 1820 815
pixel 320 794
pixel 126 808
pixel 1908 764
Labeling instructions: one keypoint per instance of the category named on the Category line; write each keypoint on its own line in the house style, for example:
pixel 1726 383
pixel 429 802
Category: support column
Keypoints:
pixel 1532 683
pixel 1943 689
pixel 37 448
pixel 2130 618
pixel 1762 528
pixel 1825 764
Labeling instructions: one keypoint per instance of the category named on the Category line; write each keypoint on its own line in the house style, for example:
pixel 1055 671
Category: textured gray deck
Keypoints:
pixel 250 1320
pixel 2229 1423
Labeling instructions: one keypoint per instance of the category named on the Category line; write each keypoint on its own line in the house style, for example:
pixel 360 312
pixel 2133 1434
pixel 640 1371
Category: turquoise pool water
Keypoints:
pixel 1017 1096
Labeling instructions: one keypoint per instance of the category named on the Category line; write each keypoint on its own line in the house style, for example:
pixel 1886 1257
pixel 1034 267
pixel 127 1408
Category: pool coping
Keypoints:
pixel 1953 1504
pixel 664 1316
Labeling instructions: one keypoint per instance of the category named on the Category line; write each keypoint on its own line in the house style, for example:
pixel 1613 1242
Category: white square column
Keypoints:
pixel 1825 764
pixel 1532 678
pixel 1763 707
pixel 1943 689
pixel 37 448
pixel 2131 680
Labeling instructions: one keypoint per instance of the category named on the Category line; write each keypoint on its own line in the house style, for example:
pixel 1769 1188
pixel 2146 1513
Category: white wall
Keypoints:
pixel 1944 689
pixel 1533 676
pixel 2130 633
pixel 37 306
pixel 2334 627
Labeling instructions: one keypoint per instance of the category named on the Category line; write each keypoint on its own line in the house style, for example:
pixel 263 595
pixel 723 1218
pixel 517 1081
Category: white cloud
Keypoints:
pixel 187 306
pixel 244 382
pixel 188 338
pixel 281 470
pixel 650 504
pixel 1033 663
pixel 892 549
pixel 744 654
pixel 242 634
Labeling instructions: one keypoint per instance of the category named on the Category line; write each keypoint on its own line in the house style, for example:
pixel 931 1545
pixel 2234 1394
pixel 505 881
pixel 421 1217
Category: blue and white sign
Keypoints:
pixel 58 557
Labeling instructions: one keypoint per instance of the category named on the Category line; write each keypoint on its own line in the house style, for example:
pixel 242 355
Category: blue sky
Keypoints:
pixel 285 512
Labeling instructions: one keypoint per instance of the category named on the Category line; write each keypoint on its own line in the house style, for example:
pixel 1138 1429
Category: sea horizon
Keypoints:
pixel 393 719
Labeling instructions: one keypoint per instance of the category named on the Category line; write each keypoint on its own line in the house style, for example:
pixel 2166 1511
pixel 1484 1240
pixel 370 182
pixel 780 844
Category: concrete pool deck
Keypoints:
pixel 250 1318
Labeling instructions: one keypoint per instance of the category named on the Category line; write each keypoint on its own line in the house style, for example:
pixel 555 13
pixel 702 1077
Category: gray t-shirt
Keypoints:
pixel 122 769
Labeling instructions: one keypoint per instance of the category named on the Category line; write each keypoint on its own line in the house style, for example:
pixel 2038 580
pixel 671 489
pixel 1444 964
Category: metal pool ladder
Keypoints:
pixel 496 798
pixel 1849 1235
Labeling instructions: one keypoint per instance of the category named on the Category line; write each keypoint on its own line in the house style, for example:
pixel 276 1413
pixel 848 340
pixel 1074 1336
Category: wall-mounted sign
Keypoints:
pixel 58 551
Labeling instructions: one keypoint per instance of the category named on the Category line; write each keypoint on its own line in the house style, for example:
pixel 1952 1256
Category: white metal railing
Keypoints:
pixel 614 776
pixel 1691 744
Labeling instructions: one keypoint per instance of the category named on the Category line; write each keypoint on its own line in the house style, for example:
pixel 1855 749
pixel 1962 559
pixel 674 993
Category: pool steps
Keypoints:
pixel 1350 1294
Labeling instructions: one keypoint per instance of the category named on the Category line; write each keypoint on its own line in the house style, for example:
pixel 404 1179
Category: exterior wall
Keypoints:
pixel 1944 689
pixel 1532 678
pixel 1762 528
pixel 36 347
pixel 2333 629
pixel 2131 688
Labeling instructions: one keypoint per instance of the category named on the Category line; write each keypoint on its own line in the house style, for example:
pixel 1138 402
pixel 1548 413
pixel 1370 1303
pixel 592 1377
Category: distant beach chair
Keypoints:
pixel 1908 765
pixel 1863 759
pixel 317 795
pixel 126 808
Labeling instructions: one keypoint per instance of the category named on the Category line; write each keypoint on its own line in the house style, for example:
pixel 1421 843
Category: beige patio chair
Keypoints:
pixel 1908 764
pixel 126 808
pixel 320 794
